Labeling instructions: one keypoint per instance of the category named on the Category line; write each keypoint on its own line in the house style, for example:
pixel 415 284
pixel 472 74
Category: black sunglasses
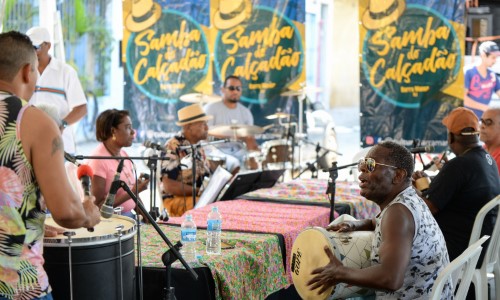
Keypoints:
pixel 234 88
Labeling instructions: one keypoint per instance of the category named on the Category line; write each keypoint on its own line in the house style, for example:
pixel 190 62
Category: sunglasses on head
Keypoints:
pixel 487 122
pixel 234 88
pixel 368 164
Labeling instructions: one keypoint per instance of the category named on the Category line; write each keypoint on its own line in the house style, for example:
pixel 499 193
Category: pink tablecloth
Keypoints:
pixel 244 215
pixel 314 191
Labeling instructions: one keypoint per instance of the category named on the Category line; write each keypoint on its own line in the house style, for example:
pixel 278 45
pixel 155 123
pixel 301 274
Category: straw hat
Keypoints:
pixel 381 13
pixel 232 13
pixel 190 114
pixel 144 14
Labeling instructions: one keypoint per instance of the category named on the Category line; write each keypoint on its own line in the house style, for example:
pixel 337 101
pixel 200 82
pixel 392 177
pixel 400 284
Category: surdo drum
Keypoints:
pixel 102 262
pixel 352 249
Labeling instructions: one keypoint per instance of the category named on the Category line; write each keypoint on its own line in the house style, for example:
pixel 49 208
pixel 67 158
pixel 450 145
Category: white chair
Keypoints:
pixel 491 261
pixel 465 264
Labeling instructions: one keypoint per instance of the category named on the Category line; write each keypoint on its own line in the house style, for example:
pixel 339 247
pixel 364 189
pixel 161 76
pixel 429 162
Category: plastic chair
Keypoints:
pixel 464 264
pixel 491 261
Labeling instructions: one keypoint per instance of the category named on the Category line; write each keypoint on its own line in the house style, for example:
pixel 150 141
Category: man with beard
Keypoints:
pixel 408 251
pixel 231 111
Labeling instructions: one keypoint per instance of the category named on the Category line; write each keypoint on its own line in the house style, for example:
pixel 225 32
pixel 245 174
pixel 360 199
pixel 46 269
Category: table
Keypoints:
pixel 264 217
pixel 252 270
pixel 313 192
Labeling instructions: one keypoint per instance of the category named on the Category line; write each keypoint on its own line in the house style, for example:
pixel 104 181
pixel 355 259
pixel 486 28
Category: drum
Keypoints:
pixel 103 265
pixel 253 160
pixel 352 249
pixel 277 153
pixel 215 161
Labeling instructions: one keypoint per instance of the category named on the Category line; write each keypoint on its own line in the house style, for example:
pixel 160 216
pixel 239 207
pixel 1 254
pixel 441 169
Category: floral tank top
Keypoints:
pixel 22 212
pixel 429 255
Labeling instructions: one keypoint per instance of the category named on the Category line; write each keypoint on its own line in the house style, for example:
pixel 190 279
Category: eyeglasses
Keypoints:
pixel 369 165
pixel 234 88
pixel 487 122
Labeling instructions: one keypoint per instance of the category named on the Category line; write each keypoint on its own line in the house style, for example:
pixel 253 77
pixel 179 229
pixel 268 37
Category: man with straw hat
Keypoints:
pixel 177 176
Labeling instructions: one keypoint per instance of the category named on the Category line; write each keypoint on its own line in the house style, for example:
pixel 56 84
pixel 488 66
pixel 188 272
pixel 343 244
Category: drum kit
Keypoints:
pixel 277 150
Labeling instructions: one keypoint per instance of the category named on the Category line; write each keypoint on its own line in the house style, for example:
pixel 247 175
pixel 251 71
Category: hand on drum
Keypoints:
pixel 52 231
pixel 92 211
pixel 342 227
pixel 325 276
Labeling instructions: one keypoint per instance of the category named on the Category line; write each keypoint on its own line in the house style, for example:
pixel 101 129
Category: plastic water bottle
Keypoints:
pixel 214 226
pixel 188 239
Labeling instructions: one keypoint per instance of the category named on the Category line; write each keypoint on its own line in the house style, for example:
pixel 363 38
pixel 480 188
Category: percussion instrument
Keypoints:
pixel 276 153
pixel 253 160
pixel 351 248
pixel 278 115
pixel 200 98
pixel 301 91
pixel 235 130
pixel 215 161
pixel 102 262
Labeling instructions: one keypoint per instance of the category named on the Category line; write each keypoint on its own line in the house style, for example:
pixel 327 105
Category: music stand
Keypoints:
pixel 247 182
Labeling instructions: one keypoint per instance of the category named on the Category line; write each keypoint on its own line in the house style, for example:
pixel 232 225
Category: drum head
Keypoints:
pixel 308 254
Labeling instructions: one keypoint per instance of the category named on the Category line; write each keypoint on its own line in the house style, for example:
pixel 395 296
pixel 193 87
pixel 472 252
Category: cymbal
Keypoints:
pixel 301 91
pixel 278 115
pixel 235 130
pixel 200 98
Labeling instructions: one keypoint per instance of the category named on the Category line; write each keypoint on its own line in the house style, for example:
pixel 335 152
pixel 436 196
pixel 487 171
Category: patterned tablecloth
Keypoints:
pixel 252 216
pixel 314 191
pixel 252 270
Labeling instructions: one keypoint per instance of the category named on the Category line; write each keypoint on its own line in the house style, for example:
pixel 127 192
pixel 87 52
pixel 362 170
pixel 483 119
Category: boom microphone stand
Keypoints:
pixel 171 255
pixel 331 185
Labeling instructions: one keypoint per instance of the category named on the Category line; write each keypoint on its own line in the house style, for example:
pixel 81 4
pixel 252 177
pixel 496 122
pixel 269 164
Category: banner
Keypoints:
pixel 410 69
pixel 177 47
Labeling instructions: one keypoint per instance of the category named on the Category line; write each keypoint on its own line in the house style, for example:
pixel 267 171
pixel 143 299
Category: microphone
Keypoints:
pixel 72 159
pixel 107 207
pixel 422 149
pixel 149 144
pixel 84 174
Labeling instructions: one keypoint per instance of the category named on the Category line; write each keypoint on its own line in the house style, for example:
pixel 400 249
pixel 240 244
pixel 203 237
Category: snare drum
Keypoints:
pixel 351 248
pixel 103 265
pixel 277 153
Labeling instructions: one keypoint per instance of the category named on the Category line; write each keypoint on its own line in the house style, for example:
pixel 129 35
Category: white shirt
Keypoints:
pixel 60 87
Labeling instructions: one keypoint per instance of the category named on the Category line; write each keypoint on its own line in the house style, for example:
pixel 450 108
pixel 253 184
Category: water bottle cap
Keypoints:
pixel 189 217
pixel 214 208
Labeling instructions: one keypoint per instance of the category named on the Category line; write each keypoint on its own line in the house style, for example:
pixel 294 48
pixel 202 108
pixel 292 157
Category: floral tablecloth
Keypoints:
pixel 252 270
pixel 314 191
pixel 252 216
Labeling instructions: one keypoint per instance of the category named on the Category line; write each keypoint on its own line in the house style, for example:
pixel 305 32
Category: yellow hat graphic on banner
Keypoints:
pixel 144 14
pixel 232 13
pixel 381 13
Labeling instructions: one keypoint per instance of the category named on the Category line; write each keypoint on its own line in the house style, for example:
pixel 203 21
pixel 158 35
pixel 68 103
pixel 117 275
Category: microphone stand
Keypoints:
pixel 332 185
pixel 81 157
pixel 152 165
pixel 171 255
pixel 310 166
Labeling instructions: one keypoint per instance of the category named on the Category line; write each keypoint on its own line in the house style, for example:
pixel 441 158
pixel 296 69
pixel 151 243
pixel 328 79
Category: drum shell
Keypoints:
pixel 277 153
pixel 352 249
pixel 95 269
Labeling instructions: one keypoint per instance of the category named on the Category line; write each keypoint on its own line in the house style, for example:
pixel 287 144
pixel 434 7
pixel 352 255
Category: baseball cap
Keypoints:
pixel 489 47
pixel 38 35
pixel 459 119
